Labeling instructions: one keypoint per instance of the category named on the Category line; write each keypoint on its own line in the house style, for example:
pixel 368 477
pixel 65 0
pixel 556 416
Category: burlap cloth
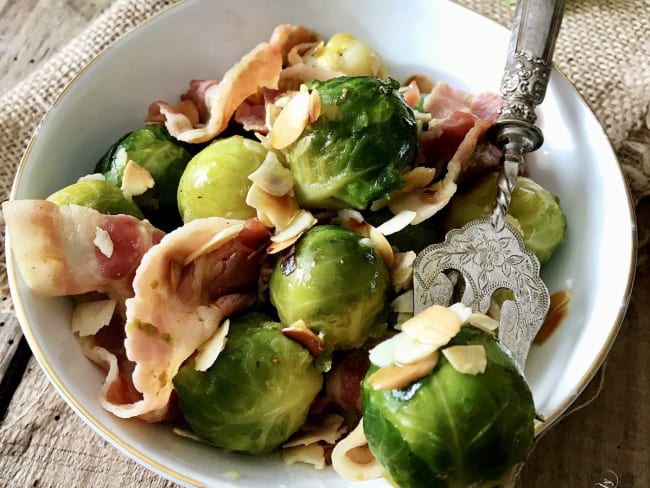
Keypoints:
pixel 603 49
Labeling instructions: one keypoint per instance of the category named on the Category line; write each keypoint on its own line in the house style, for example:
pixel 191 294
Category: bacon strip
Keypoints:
pixel 56 255
pixel 260 68
pixel 178 305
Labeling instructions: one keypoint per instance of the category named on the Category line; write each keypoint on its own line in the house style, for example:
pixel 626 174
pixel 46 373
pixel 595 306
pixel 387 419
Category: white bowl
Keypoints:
pixel 202 39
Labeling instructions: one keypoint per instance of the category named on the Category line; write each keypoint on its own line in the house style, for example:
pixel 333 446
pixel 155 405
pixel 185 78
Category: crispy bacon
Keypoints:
pixel 180 299
pixel 285 37
pixel 56 252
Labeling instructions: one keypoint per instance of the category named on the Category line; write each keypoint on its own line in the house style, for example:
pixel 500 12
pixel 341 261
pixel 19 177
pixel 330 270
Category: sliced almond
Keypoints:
pixel 418 177
pixel 329 432
pixel 470 359
pixel 403 303
pixel 299 332
pixel 347 461
pixel 209 351
pixel 401 318
pixel 402 270
pixel 277 210
pixel 313 454
pixel 301 222
pixel 383 247
pixel 314 106
pixel 291 122
pixel 272 176
pixel 89 317
pixel 276 247
pixel 215 242
pixel 483 322
pixel 383 354
pixel 400 376
pixel 92 177
pixel 136 180
pixel 188 434
pixel 103 242
pixel 397 222
pixel 435 325
pixel 462 311
pixel 410 350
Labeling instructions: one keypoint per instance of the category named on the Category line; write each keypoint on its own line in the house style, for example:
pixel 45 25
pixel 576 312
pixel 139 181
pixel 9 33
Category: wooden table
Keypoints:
pixel 42 443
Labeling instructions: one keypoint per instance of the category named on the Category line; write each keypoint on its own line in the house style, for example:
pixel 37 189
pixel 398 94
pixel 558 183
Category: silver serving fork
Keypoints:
pixel 489 253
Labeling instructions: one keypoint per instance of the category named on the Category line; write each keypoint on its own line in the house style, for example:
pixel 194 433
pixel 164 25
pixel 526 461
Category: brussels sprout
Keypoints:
pixel 348 55
pixel 449 429
pixel 101 195
pixel 164 157
pixel 537 211
pixel 357 149
pixel 256 394
pixel 215 182
pixel 335 282
pixel 412 237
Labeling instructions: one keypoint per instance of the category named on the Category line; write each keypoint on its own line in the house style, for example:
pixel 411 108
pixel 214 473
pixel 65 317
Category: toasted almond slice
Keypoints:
pixel 403 303
pixel 215 243
pixel 397 222
pixel 314 106
pixel 435 325
pixel 470 359
pixel 383 354
pixel 329 432
pixel 301 334
pixel 136 180
pixel 276 247
pixel 400 376
pixel 278 210
pixel 402 270
pixel 272 177
pixel 313 454
pixel 352 459
pixel 483 322
pixel 92 177
pixel 188 434
pixel 301 222
pixel 103 242
pixel 462 311
pixel 383 247
pixel 89 317
pixel 291 122
pixel 401 318
pixel 418 177
pixel 209 351
pixel 410 350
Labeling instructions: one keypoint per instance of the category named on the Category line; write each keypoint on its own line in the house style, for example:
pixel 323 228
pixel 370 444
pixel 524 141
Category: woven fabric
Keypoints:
pixel 603 49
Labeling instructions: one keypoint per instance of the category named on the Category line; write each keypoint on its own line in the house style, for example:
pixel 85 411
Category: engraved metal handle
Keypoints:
pixel 523 87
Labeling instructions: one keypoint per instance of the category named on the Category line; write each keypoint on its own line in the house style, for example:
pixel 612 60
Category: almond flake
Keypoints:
pixel 470 359
pixel 103 242
pixel 350 463
pixel 300 223
pixel 209 351
pixel 314 106
pixel 383 247
pixel 435 325
pixel 402 270
pixel 291 122
pixel 215 242
pixel 276 210
pixel 304 336
pixel 272 176
pixel 313 454
pixel 483 322
pixel 89 317
pixel 276 247
pixel 410 350
pixel 383 354
pixel 400 376
pixel 397 223
pixel 328 432
pixel 403 303
pixel 92 177
pixel 136 180
pixel 188 434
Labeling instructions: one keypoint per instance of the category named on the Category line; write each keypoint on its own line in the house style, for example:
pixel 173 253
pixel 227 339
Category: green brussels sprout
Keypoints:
pixel 449 429
pixel 159 153
pixel 537 211
pixel 357 149
pixel 215 182
pixel 412 237
pixel 101 195
pixel 256 394
pixel 335 282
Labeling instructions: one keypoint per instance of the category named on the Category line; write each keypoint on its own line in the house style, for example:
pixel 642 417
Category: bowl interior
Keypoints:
pixel 201 39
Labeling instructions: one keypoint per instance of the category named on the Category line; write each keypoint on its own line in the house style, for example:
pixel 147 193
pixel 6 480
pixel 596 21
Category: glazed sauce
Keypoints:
pixel 557 312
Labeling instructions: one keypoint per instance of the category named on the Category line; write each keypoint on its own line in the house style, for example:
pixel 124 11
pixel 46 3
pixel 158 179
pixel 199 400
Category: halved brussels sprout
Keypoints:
pixel 256 394
pixel 349 55
pixel 335 281
pixel 101 195
pixel 215 182
pixel 451 429
pixel 537 211
pixel 162 156
pixel 356 150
